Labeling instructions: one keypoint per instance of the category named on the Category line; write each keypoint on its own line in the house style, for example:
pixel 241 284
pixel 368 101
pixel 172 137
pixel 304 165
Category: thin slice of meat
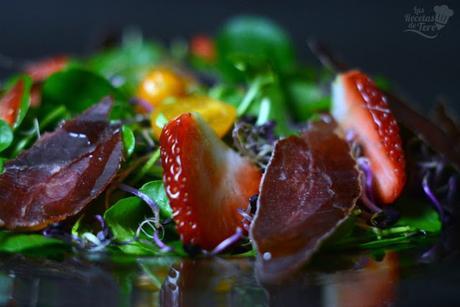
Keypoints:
pixel 62 172
pixel 310 187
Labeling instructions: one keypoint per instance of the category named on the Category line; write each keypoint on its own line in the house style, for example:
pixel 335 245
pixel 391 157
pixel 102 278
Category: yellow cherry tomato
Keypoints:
pixel 159 84
pixel 219 115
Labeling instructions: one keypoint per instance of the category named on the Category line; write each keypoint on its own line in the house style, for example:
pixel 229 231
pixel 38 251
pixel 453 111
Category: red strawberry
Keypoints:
pixel 206 181
pixel 41 70
pixel 359 106
pixel 11 102
pixel 203 47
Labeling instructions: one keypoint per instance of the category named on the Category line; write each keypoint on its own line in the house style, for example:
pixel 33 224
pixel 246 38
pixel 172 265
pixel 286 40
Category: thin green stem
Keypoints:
pixel 148 166
pixel 56 114
pixel 251 94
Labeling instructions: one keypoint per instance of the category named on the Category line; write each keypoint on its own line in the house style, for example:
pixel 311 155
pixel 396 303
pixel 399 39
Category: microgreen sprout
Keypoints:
pixel 226 243
pixel 152 204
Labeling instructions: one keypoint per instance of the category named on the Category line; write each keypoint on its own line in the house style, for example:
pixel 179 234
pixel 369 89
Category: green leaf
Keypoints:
pixel 124 217
pixel 129 63
pixel 253 41
pixel 156 191
pixel 78 89
pixel 76 228
pixel 161 121
pixel 382 83
pixel 6 135
pixel 306 98
pixel 278 110
pixel 254 91
pixel 2 162
pixel 230 94
pixel 19 243
pixel 418 214
pixel 129 140
pixel 49 119
pixel 419 222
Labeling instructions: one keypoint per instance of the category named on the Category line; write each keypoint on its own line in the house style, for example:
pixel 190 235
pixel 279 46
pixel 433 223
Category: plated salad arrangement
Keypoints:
pixel 224 145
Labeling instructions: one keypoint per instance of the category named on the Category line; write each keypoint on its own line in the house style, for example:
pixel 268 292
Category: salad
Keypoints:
pixel 220 145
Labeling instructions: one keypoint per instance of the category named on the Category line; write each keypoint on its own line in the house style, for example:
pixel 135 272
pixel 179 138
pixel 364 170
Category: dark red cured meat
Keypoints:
pixel 62 172
pixel 310 187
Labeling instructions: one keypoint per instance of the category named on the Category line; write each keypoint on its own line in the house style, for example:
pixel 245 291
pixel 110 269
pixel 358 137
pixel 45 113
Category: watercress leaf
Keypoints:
pixel 76 229
pixel 124 217
pixel 77 89
pixel 254 40
pixel 139 248
pixel 418 214
pixel 18 243
pixel 6 135
pixel 127 64
pixel 156 191
pixel 129 140
pixel 382 83
pixel 306 98
pixel 278 109
pixel 418 224
pixel 229 94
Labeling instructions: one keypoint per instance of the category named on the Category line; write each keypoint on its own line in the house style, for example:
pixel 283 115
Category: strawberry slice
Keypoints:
pixel 203 47
pixel 41 70
pixel 11 102
pixel 360 107
pixel 205 180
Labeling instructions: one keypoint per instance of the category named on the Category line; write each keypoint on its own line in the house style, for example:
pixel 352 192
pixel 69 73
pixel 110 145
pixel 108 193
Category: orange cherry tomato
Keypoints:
pixel 159 84
pixel 219 115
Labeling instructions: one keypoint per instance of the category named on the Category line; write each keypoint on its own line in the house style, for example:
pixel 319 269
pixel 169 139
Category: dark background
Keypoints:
pixel 367 34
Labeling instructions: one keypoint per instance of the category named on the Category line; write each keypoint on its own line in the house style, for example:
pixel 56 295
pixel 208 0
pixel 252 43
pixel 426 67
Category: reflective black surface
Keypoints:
pixel 386 279
pixel 369 35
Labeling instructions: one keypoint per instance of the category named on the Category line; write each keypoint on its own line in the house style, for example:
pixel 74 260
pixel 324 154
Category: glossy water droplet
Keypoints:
pixel 267 256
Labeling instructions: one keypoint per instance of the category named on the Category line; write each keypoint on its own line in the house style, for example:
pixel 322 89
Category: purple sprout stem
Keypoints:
pixel 227 242
pixel 144 104
pixel 245 215
pixel 430 194
pixel 152 204
pixel 103 234
pixel 368 195
pixel 163 247
pixel 370 204
pixel 452 189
